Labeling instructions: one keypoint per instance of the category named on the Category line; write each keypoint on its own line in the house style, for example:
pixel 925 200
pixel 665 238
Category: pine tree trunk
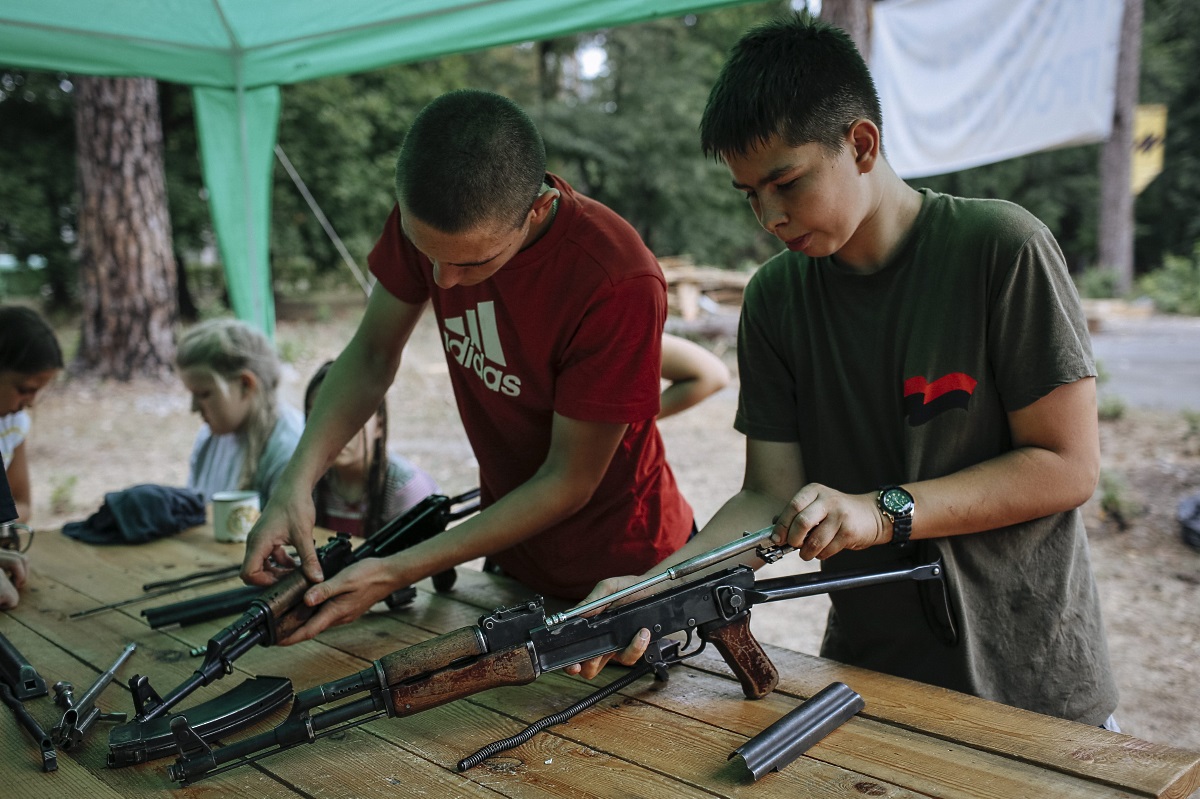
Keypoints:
pixel 1116 193
pixel 854 17
pixel 127 269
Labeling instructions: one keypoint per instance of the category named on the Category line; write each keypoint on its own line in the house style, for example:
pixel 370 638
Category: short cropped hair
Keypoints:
pixel 797 78
pixel 470 158
pixel 27 342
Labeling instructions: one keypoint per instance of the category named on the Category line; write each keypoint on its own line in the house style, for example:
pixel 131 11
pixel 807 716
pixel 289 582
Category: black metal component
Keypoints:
pixel 803 585
pixel 49 755
pixel 144 695
pixel 195 611
pixel 197 761
pixel 81 614
pixel 16 671
pixel 82 714
pixel 795 733
pixel 250 702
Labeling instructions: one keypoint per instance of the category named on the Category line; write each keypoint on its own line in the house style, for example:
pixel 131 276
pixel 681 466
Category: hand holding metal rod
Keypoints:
pixel 702 561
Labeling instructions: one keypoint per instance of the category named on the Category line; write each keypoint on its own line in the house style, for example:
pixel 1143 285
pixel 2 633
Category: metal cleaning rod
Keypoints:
pixel 702 561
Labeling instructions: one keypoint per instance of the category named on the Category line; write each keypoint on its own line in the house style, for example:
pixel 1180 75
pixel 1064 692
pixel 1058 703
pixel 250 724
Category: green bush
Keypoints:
pixel 1110 408
pixel 1175 286
pixel 1116 500
pixel 1097 283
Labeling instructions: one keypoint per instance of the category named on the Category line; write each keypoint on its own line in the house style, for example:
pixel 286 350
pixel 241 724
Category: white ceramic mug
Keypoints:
pixel 234 513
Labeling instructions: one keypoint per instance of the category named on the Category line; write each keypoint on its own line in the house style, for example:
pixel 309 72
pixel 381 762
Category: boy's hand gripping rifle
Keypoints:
pixel 424 520
pixel 513 646
pixel 279 610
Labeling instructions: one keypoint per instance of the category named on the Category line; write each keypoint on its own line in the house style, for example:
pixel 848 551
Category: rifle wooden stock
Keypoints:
pixel 744 655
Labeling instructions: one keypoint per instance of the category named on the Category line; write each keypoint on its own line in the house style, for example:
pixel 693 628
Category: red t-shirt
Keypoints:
pixel 571 325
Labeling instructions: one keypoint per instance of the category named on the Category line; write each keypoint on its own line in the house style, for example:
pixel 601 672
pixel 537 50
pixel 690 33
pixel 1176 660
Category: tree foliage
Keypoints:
pixel 626 136
pixel 38 201
pixel 1167 222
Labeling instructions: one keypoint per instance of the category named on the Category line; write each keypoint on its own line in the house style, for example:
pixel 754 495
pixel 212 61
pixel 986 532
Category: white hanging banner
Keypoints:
pixel 970 82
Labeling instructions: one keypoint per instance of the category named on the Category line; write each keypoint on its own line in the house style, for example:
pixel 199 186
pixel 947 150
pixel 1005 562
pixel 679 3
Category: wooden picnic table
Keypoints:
pixel 654 739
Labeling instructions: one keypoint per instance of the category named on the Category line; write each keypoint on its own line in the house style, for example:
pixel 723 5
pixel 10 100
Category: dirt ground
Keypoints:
pixel 90 438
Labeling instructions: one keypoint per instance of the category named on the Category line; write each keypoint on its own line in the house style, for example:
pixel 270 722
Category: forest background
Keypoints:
pixel 603 124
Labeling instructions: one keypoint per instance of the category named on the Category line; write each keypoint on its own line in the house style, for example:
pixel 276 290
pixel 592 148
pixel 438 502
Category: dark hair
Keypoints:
pixel 797 78
pixel 376 474
pixel 27 342
pixel 471 157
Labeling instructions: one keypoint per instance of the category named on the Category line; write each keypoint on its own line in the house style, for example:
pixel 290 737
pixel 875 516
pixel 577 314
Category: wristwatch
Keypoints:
pixel 897 505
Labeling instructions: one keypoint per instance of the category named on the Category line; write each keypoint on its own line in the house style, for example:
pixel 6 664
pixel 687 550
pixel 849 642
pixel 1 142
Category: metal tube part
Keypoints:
pixel 795 733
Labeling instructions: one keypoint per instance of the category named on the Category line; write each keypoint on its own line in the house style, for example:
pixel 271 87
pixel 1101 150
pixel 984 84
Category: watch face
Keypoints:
pixel 897 501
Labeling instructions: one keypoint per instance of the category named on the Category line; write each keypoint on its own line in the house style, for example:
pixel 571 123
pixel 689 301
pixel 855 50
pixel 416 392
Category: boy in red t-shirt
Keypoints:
pixel 551 312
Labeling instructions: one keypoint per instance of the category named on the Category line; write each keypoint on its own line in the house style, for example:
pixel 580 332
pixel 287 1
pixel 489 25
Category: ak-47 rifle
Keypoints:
pixel 424 520
pixel 274 614
pixel 513 646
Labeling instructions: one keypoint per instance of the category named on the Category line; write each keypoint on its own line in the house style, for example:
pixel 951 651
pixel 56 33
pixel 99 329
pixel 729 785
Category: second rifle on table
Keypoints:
pixel 424 520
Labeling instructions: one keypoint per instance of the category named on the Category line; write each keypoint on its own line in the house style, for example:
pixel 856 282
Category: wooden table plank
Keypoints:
pixel 678 745
pixel 1141 767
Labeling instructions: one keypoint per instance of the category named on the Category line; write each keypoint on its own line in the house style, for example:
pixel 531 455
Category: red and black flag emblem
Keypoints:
pixel 924 400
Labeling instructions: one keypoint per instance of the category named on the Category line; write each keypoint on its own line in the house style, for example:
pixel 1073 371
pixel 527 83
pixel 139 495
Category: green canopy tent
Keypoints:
pixel 237 53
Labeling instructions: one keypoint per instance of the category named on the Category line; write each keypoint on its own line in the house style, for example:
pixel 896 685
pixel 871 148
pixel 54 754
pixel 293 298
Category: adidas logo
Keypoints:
pixel 477 347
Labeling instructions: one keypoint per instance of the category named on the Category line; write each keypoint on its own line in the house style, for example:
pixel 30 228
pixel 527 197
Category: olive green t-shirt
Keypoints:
pixel 907 374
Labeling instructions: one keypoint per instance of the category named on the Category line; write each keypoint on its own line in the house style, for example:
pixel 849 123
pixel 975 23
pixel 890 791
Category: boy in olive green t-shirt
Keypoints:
pixel 916 382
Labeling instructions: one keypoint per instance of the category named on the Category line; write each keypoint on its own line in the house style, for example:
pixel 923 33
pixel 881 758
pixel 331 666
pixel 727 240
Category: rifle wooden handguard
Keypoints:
pixel 514 666
pixel 285 606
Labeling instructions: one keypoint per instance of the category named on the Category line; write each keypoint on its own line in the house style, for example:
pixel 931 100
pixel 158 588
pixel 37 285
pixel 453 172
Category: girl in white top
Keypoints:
pixel 30 359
